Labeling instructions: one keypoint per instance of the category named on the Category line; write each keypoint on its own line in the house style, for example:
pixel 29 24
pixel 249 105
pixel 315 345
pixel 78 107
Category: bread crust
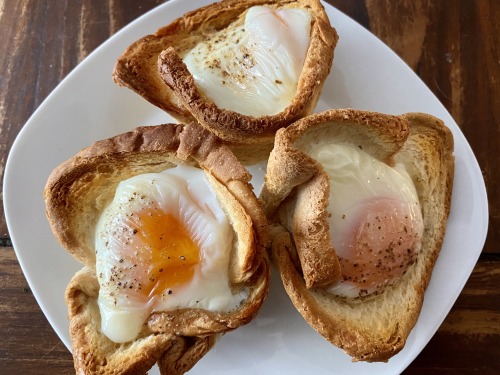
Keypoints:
pixel 145 149
pixel 144 68
pixel 77 192
pixel 375 328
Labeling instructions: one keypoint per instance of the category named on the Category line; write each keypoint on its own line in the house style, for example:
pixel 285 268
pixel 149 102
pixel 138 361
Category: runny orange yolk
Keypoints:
pixel 169 254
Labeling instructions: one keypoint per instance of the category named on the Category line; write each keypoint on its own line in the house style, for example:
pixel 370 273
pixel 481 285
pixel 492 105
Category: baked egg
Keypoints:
pixel 253 67
pixel 375 218
pixel 163 243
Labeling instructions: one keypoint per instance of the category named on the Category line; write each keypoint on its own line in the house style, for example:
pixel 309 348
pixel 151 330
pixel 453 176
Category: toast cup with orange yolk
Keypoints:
pixel 172 240
pixel 358 203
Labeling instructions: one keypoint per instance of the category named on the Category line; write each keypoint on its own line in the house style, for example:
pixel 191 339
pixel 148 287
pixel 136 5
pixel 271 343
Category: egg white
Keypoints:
pixel 254 68
pixel 185 193
pixel 356 180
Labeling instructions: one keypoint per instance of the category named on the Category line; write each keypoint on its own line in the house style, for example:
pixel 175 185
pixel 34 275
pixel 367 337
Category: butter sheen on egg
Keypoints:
pixel 375 218
pixel 253 68
pixel 163 243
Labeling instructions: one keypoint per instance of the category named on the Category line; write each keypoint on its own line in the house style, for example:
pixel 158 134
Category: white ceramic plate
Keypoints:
pixel 88 106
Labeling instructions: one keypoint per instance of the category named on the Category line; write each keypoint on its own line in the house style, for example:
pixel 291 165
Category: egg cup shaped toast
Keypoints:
pixel 164 80
pixel 295 196
pixel 76 194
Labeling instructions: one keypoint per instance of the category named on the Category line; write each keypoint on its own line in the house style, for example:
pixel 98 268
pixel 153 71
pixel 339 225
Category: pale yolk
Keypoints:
pixel 383 244
pixel 169 254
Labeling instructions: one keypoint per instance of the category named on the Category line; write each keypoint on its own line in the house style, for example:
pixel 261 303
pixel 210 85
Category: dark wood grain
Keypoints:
pixel 27 340
pixel 42 42
pixel 454 47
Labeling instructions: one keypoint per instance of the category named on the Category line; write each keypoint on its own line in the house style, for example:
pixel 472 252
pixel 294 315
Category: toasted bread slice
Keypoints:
pixel 373 328
pixel 94 353
pixel 76 194
pixel 155 59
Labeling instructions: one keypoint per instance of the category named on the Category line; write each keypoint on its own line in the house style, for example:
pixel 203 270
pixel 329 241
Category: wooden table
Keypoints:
pixel 454 46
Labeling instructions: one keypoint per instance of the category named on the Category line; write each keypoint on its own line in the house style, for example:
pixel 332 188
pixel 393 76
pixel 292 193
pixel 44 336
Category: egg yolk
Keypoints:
pixel 384 242
pixel 168 253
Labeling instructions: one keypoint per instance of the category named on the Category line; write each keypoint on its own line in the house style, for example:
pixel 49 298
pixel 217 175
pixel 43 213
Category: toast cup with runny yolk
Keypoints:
pixel 172 239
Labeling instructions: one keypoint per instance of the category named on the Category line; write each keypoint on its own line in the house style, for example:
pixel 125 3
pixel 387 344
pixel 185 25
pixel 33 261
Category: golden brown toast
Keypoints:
pixel 76 194
pixel 153 68
pixel 296 201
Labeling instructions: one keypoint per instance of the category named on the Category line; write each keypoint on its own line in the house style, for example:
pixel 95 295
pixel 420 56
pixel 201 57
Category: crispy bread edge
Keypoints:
pixel 70 198
pixel 376 329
